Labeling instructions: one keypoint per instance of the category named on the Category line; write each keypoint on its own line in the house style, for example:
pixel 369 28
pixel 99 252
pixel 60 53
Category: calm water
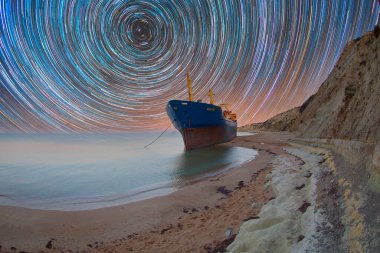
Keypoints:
pixel 77 172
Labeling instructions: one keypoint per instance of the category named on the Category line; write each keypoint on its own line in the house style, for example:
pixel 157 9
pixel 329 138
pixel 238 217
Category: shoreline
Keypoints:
pixel 171 174
pixel 32 230
pixel 304 192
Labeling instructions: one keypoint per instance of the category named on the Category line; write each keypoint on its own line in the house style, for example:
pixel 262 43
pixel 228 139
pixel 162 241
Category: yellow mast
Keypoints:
pixel 189 88
pixel 211 95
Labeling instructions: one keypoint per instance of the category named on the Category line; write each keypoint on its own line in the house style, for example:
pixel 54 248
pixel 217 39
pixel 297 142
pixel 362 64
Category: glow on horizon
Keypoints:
pixel 110 66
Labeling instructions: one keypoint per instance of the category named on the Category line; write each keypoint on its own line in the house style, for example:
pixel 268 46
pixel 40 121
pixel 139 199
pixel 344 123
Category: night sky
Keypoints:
pixel 112 65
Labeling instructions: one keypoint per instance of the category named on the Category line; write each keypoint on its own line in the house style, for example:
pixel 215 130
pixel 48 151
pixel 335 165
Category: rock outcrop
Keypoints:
pixel 342 122
pixel 347 105
pixel 280 122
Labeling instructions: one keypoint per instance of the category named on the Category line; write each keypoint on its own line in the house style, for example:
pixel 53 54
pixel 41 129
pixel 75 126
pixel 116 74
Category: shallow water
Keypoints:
pixel 242 134
pixel 78 172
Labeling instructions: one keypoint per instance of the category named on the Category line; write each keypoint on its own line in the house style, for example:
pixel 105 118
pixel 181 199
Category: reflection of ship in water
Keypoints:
pixel 209 160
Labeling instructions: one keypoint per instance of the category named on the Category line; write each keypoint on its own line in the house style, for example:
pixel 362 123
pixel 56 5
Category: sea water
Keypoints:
pixel 88 171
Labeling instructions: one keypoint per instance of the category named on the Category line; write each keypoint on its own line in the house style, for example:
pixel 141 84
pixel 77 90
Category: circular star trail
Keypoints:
pixel 111 65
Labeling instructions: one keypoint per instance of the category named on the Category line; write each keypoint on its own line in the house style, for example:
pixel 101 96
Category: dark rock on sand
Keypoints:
pixel 49 244
pixel 223 190
pixel 240 184
pixel 221 246
pixel 300 187
pixel 166 229
pixel 308 175
pixel 189 210
pixel 251 218
pixel 300 238
pixel 304 207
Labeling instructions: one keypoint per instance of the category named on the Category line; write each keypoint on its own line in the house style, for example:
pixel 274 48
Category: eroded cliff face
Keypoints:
pixel 341 121
pixel 347 105
pixel 280 122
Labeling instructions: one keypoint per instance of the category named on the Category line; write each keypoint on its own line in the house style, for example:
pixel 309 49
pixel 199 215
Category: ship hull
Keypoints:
pixel 200 124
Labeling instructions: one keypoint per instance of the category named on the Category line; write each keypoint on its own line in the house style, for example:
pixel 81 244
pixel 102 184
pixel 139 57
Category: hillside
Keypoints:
pixel 341 124
pixel 280 122
pixel 346 105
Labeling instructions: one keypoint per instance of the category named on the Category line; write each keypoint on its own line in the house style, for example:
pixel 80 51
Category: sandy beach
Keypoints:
pixel 192 219
pixel 281 193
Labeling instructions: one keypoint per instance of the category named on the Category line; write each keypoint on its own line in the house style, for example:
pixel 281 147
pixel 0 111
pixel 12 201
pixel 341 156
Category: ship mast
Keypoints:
pixel 189 88
pixel 211 95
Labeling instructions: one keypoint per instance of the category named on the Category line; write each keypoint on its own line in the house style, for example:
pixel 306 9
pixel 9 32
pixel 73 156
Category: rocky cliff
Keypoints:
pixel 280 122
pixel 347 105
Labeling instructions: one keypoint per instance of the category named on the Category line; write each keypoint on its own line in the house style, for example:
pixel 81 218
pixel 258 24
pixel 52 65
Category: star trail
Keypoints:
pixel 112 65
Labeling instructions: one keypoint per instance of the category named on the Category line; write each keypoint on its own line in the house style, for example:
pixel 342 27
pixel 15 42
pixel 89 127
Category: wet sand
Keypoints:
pixel 192 219
pixel 312 195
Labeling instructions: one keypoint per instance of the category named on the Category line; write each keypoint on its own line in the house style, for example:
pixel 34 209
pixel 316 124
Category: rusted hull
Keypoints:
pixel 200 124
pixel 207 136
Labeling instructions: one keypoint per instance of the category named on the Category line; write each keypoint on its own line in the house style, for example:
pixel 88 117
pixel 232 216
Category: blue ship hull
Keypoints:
pixel 200 124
